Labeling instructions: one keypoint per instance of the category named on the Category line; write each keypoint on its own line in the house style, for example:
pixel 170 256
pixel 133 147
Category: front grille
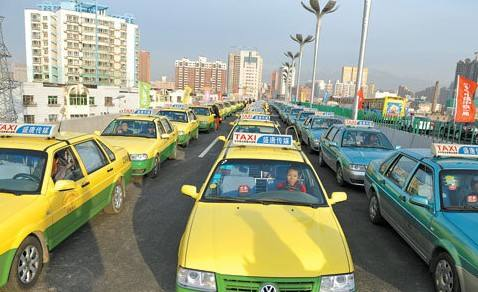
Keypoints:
pixel 253 284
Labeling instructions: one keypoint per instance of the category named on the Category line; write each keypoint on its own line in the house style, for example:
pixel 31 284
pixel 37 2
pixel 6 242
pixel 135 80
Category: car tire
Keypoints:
pixel 117 199
pixel 196 134
pixel 157 165
pixel 30 256
pixel 445 276
pixel 321 161
pixel 174 154
pixel 339 176
pixel 374 213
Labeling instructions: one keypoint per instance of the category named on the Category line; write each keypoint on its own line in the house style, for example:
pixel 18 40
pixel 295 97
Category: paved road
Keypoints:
pixel 137 249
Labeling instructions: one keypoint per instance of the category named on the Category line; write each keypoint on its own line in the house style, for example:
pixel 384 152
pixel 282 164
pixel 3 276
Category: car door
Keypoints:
pixel 65 206
pixel 304 130
pixel 99 175
pixel 193 119
pixel 422 185
pixel 162 143
pixel 393 196
pixel 325 146
pixel 336 149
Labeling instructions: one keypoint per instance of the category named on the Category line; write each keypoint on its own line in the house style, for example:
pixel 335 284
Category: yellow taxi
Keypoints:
pixel 149 140
pixel 185 121
pixel 222 110
pixel 205 116
pixel 263 221
pixel 252 123
pixel 50 185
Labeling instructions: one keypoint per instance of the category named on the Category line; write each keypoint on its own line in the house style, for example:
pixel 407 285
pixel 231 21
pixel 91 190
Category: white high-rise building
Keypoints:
pixel 66 42
pixel 244 76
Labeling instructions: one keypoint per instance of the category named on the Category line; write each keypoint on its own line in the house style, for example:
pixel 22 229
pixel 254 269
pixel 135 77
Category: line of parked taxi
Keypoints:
pixel 53 182
pixel 429 196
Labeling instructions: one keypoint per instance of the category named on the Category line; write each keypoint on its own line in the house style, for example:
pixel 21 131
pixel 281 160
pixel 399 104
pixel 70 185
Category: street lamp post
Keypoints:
pixel 314 8
pixel 292 59
pixel 298 38
pixel 287 74
pixel 363 41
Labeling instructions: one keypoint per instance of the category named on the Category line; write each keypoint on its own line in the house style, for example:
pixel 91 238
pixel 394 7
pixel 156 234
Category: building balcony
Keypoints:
pixel 54 105
pixel 30 104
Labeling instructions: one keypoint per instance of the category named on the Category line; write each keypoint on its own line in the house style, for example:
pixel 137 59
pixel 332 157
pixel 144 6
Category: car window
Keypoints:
pixel 191 115
pixel 108 151
pixel 132 128
pixel 421 183
pixel 331 133
pixel 174 116
pixel 91 155
pixel 401 170
pixel 338 137
pixel 384 166
pixel 65 166
pixel 166 126
pixel 459 190
pixel 161 129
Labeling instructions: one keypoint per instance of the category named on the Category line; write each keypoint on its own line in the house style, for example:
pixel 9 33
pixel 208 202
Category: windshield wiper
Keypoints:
pixel 263 202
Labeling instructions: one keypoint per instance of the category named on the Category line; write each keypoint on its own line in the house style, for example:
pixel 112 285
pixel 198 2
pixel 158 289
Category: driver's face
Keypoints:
pixel 373 139
pixel 124 126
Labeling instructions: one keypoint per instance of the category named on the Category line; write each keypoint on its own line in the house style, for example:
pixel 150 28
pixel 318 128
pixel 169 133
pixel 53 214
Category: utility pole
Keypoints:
pixel 7 84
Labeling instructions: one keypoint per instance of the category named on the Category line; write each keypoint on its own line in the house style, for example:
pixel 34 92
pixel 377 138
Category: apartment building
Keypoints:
pixel 201 75
pixel 244 73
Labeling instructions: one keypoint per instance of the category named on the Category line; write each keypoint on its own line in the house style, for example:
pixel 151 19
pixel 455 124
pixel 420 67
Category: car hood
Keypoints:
pixel 11 205
pixel 133 145
pixel 363 155
pixel 266 241
pixel 466 222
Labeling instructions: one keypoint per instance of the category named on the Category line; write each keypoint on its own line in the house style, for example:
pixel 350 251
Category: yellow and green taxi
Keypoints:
pixel 263 221
pixel 205 116
pixel 185 122
pixel 253 123
pixel 49 187
pixel 222 110
pixel 148 139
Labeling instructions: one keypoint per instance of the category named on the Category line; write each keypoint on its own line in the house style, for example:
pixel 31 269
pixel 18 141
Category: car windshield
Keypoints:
pixel 295 112
pixel 459 190
pixel 264 181
pixel 201 111
pixel 324 123
pixel 21 171
pixel 304 115
pixel 174 116
pixel 255 129
pixel 131 128
pixel 368 139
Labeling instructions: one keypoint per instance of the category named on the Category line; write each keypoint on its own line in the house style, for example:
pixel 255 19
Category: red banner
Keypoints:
pixel 464 104
pixel 361 98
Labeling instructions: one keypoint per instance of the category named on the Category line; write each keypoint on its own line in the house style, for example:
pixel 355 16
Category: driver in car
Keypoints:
pixel 62 165
pixel 373 140
pixel 292 184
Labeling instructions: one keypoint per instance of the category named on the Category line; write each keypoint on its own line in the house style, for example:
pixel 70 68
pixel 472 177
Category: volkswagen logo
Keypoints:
pixel 268 288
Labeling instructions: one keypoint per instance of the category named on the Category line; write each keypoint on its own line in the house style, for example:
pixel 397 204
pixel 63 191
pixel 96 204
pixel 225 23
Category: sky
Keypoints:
pixel 411 42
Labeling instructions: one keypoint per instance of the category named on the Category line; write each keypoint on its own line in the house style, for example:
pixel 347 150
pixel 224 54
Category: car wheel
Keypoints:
pixel 155 171
pixel 26 266
pixel 174 154
pixel 321 159
pixel 445 276
pixel 117 199
pixel 196 135
pixel 374 210
pixel 340 176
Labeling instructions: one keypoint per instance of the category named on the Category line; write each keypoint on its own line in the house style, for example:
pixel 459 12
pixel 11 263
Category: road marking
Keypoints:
pixel 208 148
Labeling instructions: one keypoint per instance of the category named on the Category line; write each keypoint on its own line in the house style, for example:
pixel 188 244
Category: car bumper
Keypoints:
pixel 206 126
pixel 354 177
pixel 141 167
pixel 182 139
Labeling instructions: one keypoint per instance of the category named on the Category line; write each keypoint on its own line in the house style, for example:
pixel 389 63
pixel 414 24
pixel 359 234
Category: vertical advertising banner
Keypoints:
pixel 464 105
pixel 144 94
pixel 360 98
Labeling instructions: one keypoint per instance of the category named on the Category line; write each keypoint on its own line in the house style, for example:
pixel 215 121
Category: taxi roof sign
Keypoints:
pixel 359 123
pixel 143 112
pixel 324 114
pixel 267 140
pixel 27 130
pixel 455 150
pixel 255 117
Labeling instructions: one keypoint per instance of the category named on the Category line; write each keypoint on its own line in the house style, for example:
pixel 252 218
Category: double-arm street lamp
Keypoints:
pixel 314 8
pixel 301 40
pixel 286 77
pixel 292 57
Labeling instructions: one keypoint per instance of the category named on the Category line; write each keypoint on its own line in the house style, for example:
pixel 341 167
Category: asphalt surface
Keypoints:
pixel 137 249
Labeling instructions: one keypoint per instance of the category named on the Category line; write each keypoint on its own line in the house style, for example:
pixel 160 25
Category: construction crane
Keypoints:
pixel 7 106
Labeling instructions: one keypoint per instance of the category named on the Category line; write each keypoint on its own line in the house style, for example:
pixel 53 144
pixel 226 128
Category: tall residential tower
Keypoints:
pixel 244 74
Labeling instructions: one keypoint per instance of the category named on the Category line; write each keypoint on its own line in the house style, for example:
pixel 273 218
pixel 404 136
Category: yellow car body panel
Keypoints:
pixel 51 215
pixel 205 121
pixel 185 130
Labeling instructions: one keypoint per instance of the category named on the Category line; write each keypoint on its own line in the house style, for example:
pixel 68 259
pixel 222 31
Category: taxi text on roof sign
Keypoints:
pixel 143 112
pixel 324 114
pixel 455 150
pixel 255 117
pixel 29 130
pixel 359 123
pixel 270 140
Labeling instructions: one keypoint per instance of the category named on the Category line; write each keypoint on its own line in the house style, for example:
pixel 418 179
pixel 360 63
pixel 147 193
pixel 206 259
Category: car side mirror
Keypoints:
pixel 64 185
pixel 165 136
pixel 338 197
pixel 419 201
pixel 190 191
pixel 97 133
pixel 222 138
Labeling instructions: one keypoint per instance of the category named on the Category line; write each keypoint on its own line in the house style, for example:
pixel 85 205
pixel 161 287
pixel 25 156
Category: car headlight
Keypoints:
pixel 357 167
pixel 181 132
pixel 337 283
pixel 204 281
pixel 316 141
pixel 142 156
